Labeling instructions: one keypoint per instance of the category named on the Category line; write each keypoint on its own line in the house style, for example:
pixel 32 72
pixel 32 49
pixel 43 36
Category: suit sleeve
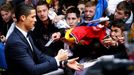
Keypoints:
pixel 18 53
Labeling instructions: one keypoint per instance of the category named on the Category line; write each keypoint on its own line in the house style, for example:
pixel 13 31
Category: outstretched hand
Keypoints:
pixel 73 64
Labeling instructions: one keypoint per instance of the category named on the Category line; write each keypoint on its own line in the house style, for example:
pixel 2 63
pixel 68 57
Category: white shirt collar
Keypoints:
pixel 22 31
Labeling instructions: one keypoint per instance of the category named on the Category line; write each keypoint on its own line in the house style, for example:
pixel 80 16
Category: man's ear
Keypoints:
pixel 23 17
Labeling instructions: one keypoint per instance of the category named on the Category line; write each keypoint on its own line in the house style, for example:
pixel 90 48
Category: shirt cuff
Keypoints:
pixel 58 62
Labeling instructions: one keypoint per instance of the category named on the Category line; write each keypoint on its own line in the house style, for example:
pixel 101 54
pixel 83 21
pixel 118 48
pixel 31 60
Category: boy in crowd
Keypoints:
pixel 93 10
pixel 45 30
pixel 123 12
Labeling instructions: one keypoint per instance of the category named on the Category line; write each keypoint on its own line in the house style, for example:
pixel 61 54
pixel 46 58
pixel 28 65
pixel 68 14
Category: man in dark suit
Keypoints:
pixel 23 58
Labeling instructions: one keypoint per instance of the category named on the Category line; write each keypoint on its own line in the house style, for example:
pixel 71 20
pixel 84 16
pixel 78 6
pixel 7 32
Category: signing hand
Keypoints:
pixel 62 55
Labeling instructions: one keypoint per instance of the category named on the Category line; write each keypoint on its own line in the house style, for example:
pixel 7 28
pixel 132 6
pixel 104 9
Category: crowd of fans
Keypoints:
pixel 87 29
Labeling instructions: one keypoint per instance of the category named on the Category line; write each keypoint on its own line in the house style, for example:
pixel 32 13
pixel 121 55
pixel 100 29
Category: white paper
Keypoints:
pixel 49 42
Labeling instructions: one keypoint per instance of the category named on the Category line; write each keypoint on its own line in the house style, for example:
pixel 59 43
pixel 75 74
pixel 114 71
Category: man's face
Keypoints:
pixel 72 20
pixel 29 21
pixel 89 12
pixel 116 32
pixel 119 14
pixel 6 15
pixel 42 12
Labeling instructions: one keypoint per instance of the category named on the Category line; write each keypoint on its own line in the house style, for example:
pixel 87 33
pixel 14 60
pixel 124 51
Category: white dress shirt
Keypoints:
pixel 25 35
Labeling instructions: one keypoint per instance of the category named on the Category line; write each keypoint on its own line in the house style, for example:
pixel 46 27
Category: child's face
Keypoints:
pixel 116 32
pixel 72 20
pixel 119 14
pixel 89 12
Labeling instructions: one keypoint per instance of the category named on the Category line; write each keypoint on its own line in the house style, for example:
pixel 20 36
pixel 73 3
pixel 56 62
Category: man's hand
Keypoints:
pixel 58 18
pixel 109 42
pixel 73 64
pixel 62 55
pixel 56 36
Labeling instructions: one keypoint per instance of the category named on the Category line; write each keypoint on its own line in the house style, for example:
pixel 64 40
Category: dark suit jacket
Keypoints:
pixel 21 60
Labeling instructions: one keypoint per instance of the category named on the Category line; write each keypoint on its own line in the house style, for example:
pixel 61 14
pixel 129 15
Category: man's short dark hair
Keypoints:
pixel 73 10
pixel 125 6
pixel 22 9
pixel 118 23
pixel 43 2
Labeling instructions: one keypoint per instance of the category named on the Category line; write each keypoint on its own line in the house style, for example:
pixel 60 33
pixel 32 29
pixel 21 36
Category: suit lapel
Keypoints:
pixel 22 37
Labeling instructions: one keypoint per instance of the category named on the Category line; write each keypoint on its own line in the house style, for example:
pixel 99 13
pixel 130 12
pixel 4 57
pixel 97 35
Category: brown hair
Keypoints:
pixel 73 10
pixel 43 2
pixel 91 3
pixel 124 6
pixel 118 23
pixel 6 7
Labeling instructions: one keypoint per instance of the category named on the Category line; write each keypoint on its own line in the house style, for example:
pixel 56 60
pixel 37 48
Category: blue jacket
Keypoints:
pixel 3 64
